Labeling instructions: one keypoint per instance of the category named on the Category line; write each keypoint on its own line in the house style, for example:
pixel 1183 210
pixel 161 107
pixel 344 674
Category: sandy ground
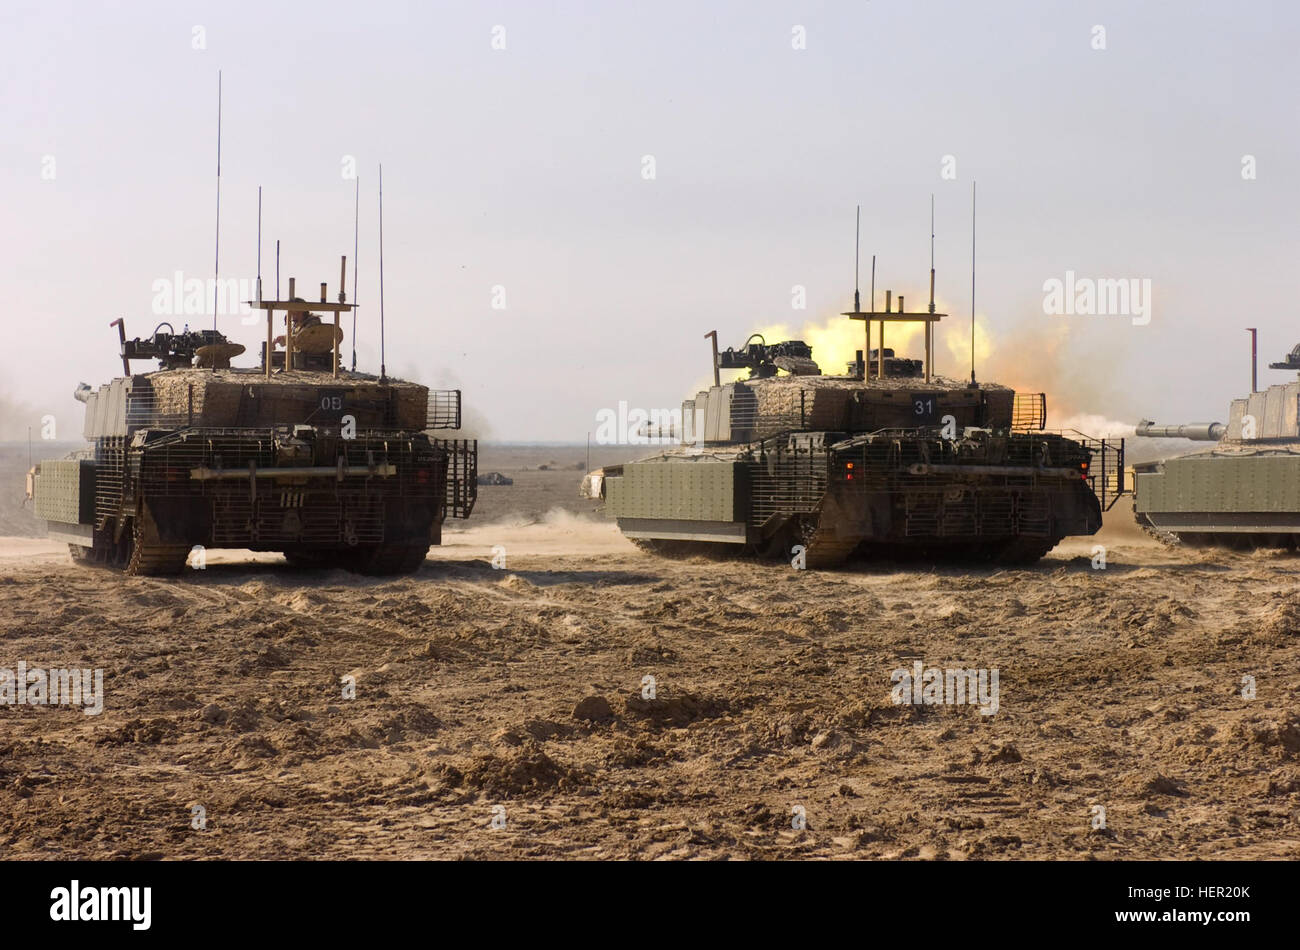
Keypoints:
pixel 1118 688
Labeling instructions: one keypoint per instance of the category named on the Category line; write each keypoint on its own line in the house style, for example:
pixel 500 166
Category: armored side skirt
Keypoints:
pixel 842 498
pixel 1219 494
pixel 63 493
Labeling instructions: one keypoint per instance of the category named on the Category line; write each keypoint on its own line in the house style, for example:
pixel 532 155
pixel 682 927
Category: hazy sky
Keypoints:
pixel 523 168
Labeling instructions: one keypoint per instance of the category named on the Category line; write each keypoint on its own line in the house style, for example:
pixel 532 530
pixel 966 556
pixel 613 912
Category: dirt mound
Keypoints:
pixel 673 711
pixel 523 771
pixel 1278 736
pixel 1282 620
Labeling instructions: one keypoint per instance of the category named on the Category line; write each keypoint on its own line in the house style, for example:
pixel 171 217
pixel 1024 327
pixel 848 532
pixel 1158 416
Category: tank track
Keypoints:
pixel 138 553
pixel 825 550
pixel 150 557
pixel 1167 538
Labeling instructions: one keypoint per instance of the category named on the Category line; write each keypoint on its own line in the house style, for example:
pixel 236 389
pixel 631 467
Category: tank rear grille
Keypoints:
pixel 996 513
pixel 923 513
pixel 1034 514
pixel 284 516
pixel 960 516
pixel 319 508
pixel 973 514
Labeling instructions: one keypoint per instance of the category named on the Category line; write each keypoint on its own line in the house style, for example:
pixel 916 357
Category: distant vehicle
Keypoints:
pixel 884 459
pixel 330 467
pixel 1244 491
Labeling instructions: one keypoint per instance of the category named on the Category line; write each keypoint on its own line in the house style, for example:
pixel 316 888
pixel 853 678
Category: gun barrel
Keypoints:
pixel 1195 431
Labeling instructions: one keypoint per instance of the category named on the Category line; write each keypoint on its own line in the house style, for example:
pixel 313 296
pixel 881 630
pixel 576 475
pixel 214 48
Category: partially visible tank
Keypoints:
pixel 886 458
pixel 330 467
pixel 1244 491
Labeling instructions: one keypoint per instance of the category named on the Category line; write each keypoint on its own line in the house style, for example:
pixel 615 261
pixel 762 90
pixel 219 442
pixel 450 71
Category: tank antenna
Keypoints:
pixel 857 235
pixel 929 326
pixel 1254 360
pixel 873 284
pixel 356 245
pixel 259 245
pixel 932 253
pixel 383 371
pixel 866 324
pixel 216 265
pixel 972 283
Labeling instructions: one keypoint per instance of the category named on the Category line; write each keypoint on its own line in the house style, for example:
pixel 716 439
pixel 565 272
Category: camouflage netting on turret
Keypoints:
pixel 770 406
pixel 790 402
pixel 248 399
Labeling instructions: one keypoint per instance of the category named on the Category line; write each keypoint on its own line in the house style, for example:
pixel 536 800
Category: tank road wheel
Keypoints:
pixel 150 557
pixel 385 559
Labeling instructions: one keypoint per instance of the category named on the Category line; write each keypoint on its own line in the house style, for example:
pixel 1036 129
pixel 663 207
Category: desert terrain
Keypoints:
pixel 514 696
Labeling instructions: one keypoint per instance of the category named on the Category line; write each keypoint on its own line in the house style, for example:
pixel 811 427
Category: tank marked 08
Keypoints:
pixel 329 467
pixel 886 458
pixel 1242 492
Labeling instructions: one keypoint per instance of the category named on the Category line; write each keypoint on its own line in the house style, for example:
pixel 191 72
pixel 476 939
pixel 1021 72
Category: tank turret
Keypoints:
pixel 1241 491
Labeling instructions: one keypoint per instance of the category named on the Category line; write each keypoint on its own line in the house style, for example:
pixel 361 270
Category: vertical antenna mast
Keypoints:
pixel 216 264
pixel 356 244
pixel 259 244
pixel 1254 359
pixel 929 327
pixel 932 253
pixel 857 235
pixel 857 300
pixel 866 354
pixel 383 370
pixel 972 283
